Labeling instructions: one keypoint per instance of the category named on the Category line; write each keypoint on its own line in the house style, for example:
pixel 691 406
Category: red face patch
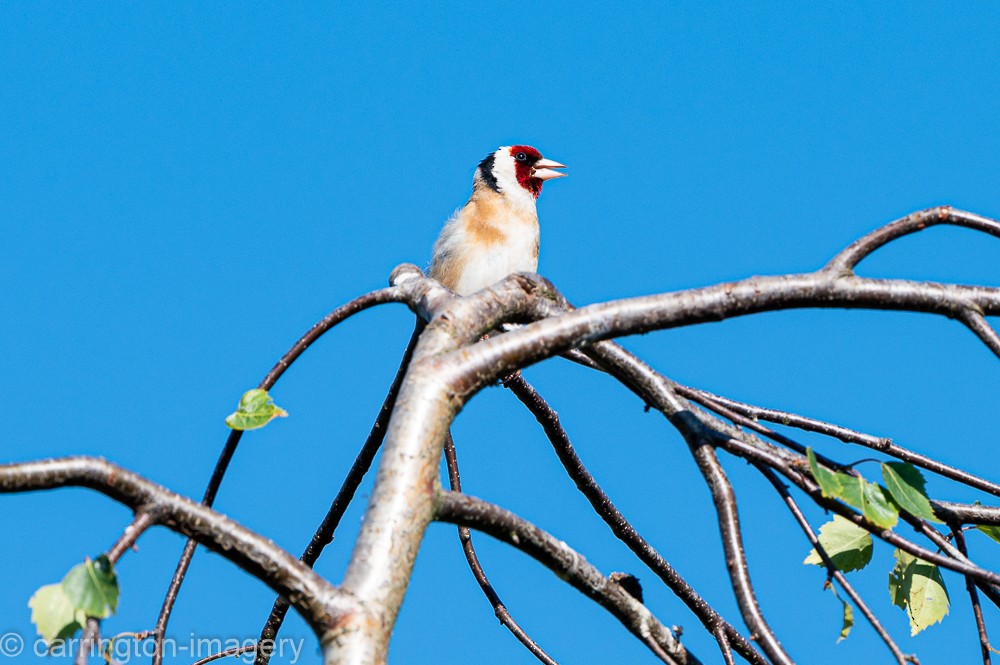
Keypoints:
pixel 524 161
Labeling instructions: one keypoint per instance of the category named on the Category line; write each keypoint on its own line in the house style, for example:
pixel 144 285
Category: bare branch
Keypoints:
pixel 966 513
pixel 732 540
pixel 317 600
pixel 882 445
pixel 620 526
pixel 407 479
pixel 568 564
pixel 977 611
pixel 727 652
pixel 324 533
pixel 324 325
pixel 233 651
pixel 975 322
pixel 465 536
pixel 845 261
pixel 91 636
pixel 142 521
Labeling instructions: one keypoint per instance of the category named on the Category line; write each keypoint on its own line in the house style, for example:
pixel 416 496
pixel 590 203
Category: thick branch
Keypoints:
pixel 402 502
pixel 319 602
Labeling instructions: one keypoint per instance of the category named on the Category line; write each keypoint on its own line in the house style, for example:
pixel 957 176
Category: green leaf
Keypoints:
pixel 255 410
pixel 917 586
pixel 829 483
pixel 906 485
pixel 53 614
pixel 898 589
pixel 848 617
pixel 870 499
pixel 847 612
pixel 845 629
pixel 991 531
pixel 848 545
pixel 92 587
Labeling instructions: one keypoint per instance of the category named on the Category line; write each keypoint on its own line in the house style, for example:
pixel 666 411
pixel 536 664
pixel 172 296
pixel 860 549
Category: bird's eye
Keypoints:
pixel 521 157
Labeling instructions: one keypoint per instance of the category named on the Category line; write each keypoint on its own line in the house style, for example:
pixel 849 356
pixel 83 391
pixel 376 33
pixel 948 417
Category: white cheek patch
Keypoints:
pixel 506 174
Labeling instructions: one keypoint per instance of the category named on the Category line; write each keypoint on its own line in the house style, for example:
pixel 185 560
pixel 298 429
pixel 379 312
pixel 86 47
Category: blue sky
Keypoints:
pixel 185 189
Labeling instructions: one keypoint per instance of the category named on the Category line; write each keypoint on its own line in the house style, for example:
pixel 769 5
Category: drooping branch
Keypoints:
pixel 319 602
pixel 807 485
pixel 831 568
pixel 323 535
pixel 568 564
pixel 619 525
pixel 324 325
pixel 882 445
pixel 977 611
pixel 724 499
pixel 465 536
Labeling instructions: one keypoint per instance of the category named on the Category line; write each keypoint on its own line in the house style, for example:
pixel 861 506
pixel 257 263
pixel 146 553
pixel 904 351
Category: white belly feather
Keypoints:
pixel 487 264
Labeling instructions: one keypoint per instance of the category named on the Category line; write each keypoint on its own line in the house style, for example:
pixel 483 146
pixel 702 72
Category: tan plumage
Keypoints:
pixel 496 233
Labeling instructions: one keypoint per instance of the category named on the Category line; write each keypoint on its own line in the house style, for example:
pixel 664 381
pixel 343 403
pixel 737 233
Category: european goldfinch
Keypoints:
pixel 496 232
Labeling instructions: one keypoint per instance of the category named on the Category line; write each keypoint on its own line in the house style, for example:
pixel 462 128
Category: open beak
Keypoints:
pixel 543 169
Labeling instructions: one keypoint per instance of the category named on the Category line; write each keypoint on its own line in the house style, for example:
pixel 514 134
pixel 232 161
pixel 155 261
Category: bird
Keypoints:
pixel 496 232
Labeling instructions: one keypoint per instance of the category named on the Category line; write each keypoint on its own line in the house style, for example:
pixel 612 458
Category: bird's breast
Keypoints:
pixel 498 240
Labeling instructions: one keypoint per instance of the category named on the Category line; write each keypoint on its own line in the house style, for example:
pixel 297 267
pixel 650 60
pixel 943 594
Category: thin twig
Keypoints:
pixel 978 324
pixel 345 311
pixel 883 445
pixel 977 611
pixel 727 653
pixel 831 568
pixel 233 651
pixel 142 521
pixel 465 536
pixel 724 499
pixel 619 525
pixel 567 563
pixel 91 636
pixel 323 535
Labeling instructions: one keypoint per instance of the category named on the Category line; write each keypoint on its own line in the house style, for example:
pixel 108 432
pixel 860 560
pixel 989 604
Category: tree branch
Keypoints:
pixel 465 536
pixel 847 260
pixel 566 563
pixel 977 611
pixel 882 445
pixel 619 525
pixel 732 540
pixel 319 602
pixel 324 533
pixel 831 568
pixel 342 313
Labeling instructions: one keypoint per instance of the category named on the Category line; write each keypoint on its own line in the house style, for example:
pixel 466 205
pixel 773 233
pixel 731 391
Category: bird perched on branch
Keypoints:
pixel 496 232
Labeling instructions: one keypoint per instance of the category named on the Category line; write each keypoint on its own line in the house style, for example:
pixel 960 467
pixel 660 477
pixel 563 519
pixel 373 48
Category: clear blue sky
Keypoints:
pixel 186 189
